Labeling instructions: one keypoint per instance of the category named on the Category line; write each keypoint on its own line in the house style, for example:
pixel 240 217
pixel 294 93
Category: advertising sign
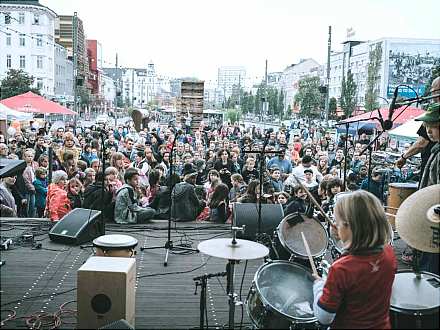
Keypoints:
pixel 411 64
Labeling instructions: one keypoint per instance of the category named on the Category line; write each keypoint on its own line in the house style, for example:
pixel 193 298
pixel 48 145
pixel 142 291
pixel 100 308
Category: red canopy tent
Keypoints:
pixel 401 115
pixel 30 102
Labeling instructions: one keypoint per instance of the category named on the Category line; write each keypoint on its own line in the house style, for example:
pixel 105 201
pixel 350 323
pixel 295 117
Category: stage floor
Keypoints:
pixel 41 280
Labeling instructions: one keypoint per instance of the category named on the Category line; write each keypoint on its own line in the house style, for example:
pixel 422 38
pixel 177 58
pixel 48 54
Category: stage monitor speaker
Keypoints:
pixel 106 291
pixel 247 214
pixel 77 227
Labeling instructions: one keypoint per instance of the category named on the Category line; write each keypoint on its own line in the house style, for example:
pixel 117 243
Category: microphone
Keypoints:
pixel 388 123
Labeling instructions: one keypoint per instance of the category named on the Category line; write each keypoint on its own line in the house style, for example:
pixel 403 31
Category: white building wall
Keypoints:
pixel 228 76
pixel 293 74
pixel 38 29
pixel 108 89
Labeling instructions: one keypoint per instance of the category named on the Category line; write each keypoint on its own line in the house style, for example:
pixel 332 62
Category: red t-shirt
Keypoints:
pixel 358 290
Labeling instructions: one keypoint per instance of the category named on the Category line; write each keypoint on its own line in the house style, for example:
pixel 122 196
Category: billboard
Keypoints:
pixel 411 64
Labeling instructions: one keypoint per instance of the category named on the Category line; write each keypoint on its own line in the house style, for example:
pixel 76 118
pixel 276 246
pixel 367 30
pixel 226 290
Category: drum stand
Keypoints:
pixel 202 281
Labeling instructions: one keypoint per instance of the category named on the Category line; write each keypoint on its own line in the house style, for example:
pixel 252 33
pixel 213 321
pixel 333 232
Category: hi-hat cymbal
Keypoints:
pixel 417 221
pixel 223 248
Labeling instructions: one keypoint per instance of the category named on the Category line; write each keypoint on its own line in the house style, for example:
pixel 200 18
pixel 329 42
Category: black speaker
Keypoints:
pixel 247 214
pixel 77 227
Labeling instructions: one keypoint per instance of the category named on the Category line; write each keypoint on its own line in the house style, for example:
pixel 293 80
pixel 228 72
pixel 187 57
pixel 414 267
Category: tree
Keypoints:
pixel 281 104
pixel 289 112
pixel 308 97
pixel 373 78
pixel 348 95
pixel 17 82
pixel 233 115
pixel 332 106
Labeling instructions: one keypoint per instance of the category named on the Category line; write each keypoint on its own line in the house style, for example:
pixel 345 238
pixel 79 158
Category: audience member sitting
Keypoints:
pixel 57 202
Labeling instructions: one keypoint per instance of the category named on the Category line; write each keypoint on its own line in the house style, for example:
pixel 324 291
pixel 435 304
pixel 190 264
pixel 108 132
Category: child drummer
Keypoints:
pixel 357 291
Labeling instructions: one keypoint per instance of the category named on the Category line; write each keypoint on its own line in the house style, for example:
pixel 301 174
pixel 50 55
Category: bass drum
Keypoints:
pixel 415 301
pixel 281 297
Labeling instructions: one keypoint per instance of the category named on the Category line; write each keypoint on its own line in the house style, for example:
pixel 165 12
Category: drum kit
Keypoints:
pixel 281 294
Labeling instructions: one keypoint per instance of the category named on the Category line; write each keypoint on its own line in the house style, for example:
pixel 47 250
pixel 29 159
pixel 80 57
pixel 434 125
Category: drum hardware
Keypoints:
pixel 233 251
pixel 202 281
pixel 115 246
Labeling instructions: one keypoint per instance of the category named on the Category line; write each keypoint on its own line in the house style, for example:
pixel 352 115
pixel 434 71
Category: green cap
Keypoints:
pixel 432 114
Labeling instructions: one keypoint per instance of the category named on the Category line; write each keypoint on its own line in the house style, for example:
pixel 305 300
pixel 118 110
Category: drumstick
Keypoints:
pixel 390 215
pixel 330 222
pixel 391 208
pixel 309 254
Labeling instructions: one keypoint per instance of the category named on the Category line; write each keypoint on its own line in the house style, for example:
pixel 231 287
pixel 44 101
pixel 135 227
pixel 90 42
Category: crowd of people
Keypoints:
pixel 161 172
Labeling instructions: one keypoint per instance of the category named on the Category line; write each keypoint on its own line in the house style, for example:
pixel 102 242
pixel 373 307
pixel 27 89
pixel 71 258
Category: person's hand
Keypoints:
pixel 24 201
pixel 400 162
pixel 316 277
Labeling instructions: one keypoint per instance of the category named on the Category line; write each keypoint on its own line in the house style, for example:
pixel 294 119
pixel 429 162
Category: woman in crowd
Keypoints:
pixel 219 204
pixel 224 166
pixel 117 161
pixel 57 202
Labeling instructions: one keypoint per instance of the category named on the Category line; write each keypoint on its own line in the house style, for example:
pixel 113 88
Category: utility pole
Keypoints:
pixel 132 87
pixel 115 106
pixel 75 63
pixel 327 83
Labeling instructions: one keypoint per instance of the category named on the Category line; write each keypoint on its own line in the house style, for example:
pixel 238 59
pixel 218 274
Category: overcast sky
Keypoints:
pixel 195 37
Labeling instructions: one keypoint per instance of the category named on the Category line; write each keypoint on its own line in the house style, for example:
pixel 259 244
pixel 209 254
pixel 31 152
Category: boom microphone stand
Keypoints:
pixel 169 244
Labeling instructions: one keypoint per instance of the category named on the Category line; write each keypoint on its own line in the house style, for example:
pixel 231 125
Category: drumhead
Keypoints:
pixel 291 239
pixel 287 287
pixel 404 185
pixel 411 295
pixel 115 241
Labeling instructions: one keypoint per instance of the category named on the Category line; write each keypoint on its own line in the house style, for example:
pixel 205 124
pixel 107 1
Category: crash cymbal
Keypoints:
pixel 418 219
pixel 223 248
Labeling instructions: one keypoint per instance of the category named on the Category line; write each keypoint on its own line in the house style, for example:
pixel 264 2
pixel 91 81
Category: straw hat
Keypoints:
pixel 418 219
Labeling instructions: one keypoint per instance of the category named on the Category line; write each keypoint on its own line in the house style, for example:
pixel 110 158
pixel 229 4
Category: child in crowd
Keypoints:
pixel 310 183
pixel 282 198
pixel 366 269
pixel 29 178
pixel 40 184
pixel 238 187
pixel 275 181
pixel 249 172
pixel 298 203
pixel 219 204
pixel 113 182
pixel 75 192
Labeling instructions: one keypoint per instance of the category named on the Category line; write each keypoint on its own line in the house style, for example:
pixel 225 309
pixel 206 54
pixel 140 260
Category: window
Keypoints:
pixel 8 61
pixel 22 61
pixel 8 39
pixel 7 18
pixel 36 19
pixel 22 40
pixel 21 18
pixel 39 62
pixel 39 83
pixel 39 40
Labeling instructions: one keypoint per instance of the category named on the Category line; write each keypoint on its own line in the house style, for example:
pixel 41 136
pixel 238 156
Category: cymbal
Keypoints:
pixel 417 220
pixel 223 248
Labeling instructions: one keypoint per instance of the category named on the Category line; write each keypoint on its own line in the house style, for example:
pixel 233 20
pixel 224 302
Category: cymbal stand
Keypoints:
pixel 202 281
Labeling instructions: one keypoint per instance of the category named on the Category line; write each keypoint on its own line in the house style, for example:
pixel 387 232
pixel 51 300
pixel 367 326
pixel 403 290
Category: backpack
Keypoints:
pixel 111 216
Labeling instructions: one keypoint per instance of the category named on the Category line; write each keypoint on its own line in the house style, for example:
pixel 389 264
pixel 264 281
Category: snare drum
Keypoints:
pixel 115 246
pixel 281 297
pixel 415 302
pixel 289 236
pixel 398 192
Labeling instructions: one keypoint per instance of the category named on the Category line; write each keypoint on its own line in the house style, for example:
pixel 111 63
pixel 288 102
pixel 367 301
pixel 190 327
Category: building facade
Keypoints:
pixel 63 76
pixel 291 76
pixel 228 76
pixel 27 42
pixel 403 61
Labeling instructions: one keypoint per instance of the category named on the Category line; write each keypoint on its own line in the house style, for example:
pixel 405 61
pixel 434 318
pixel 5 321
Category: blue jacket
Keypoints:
pixel 40 192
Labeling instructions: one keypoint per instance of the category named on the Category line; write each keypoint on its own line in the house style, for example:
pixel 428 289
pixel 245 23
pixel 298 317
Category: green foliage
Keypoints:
pixel 17 82
pixel 332 106
pixel 434 74
pixel 281 104
pixel 348 95
pixel 308 97
pixel 373 77
pixel 233 115
pixel 289 111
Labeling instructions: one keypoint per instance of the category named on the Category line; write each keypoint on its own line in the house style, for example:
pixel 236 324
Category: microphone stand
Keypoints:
pixel 169 244
pixel 101 229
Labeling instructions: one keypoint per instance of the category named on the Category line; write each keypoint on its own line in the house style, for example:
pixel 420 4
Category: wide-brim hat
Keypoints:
pixel 418 219
pixel 432 114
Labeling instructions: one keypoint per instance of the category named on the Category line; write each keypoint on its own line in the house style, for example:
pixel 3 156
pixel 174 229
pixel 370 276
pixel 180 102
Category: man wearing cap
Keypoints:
pixel 431 121
pixel 185 205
